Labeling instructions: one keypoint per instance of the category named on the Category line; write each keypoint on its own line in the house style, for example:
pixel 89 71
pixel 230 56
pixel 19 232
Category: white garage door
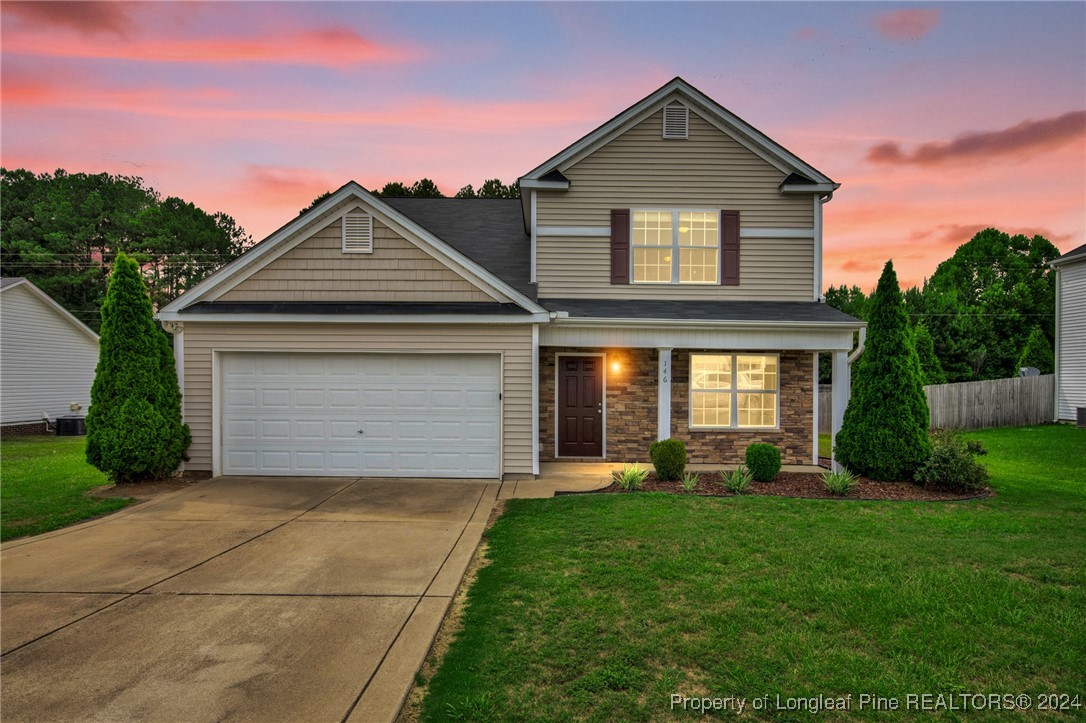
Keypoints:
pixel 374 415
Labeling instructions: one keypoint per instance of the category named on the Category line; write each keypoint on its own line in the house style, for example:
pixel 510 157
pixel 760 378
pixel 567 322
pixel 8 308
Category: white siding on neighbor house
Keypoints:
pixel 317 269
pixel 513 341
pixel 1071 354
pixel 709 170
pixel 46 363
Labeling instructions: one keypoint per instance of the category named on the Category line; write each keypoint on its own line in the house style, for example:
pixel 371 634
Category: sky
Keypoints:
pixel 938 119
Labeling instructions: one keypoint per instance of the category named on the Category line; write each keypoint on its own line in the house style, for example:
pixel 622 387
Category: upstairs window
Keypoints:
pixel 675 247
pixel 358 233
pixel 734 391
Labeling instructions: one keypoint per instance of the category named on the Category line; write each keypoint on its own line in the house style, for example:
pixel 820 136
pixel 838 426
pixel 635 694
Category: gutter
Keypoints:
pixel 713 323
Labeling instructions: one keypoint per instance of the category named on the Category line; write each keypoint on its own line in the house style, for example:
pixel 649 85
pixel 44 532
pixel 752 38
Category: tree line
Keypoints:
pixel 986 311
pixel 426 188
pixel 62 231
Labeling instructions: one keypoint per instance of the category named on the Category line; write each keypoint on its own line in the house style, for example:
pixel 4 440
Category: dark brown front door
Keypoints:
pixel 580 406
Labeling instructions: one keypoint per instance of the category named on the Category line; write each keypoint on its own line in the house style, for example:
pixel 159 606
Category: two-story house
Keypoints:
pixel 661 277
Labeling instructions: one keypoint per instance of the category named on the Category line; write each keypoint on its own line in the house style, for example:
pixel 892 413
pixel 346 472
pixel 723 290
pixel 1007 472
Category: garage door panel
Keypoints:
pixel 422 414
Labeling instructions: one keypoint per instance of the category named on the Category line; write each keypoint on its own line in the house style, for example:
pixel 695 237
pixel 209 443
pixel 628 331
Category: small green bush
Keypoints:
pixel 631 477
pixel 669 458
pixel 840 483
pixel 738 480
pixel 690 481
pixel 953 465
pixel 764 461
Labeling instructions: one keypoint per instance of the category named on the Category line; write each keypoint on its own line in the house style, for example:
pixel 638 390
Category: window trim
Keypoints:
pixel 676 272
pixel 734 391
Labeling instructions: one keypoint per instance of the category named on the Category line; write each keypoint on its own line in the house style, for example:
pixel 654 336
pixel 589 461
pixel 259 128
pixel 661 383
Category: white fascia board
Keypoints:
pixel 809 187
pixel 1067 260
pixel 707 323
pixel 246 318
pixel 52 304
pixel 264 252
pixel 544 185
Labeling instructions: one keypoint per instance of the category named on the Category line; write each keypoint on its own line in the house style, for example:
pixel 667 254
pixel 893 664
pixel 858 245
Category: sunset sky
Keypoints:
pixel 937 119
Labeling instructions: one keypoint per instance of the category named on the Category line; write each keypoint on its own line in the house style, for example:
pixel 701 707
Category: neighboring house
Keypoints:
pixel 1070 334
pixel 47 358
pixel 661 277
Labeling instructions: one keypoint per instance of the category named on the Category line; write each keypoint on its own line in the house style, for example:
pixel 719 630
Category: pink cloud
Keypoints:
pixel 1024 139
pixel 906 25
pixel 806 34
pixel 88 18
pixel 336 47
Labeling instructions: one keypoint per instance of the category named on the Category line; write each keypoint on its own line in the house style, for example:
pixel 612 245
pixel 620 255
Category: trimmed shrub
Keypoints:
pixel 738 480
pixel 840 483
pixel 631 477
pixel 763 461
pixel 884 435
pixel 953 465
pixel 669 458
pixel 134 428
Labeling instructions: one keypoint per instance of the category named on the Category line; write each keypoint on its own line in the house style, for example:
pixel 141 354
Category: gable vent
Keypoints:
pixel 357 233
pixel 676 121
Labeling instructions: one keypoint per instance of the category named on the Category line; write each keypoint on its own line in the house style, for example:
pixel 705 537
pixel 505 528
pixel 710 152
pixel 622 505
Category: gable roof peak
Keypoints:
pixel 717 114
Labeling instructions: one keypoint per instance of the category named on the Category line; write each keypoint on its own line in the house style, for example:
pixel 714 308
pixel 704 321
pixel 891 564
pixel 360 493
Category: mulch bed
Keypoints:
pixel 804 484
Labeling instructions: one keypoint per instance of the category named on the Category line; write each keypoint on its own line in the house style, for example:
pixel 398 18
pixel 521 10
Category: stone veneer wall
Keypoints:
pixel 631 409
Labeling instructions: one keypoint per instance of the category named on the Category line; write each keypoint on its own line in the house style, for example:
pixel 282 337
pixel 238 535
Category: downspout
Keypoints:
pixel 822 201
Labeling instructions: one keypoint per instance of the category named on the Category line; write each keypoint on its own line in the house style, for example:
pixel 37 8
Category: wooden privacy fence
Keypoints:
pixel 1013 402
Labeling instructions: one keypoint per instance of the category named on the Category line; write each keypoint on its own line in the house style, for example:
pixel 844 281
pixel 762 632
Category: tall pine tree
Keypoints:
pixel 134 428
pixel 885 431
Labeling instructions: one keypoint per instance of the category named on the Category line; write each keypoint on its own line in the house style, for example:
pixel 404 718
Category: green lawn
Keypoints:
pixel 602 607
pixel 43 481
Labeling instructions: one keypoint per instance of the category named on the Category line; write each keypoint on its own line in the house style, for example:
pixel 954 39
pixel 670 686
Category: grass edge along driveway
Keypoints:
pixel 43 485
pixel 603 607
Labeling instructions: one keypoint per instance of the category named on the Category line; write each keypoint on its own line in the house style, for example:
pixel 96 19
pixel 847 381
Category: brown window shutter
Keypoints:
pixel 729 248
pixel 620 246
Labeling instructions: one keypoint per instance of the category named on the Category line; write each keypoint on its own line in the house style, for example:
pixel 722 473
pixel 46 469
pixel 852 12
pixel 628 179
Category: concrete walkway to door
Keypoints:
pixel 278 599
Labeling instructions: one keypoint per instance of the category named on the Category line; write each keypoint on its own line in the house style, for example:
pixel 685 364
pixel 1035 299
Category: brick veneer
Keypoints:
pixel 631 409
pixel 24 429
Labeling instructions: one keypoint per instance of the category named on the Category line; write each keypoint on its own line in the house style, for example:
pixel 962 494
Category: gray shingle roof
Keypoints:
pixel 9 280
pixel 1073 253
pixel 772 311
pixel 489 231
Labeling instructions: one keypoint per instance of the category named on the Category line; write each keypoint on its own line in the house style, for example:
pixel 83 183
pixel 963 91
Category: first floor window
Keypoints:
pixel 734 390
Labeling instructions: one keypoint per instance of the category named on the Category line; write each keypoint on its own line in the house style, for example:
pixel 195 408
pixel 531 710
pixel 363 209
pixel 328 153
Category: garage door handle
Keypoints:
pixel 361 431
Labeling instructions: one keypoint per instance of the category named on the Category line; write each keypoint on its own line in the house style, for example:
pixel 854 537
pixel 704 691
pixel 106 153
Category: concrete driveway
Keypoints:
pixel 237 599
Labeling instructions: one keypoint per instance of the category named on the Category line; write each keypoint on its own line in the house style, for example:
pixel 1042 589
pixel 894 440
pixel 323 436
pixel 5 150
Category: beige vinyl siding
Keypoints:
pixel 1071 381
pixel 46 363
pixel 769 270
pixel 639 169
pixel 514 341
pixel 318 270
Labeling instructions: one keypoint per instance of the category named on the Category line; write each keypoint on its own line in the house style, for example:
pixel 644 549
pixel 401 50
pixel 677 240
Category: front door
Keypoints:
pixel 580 406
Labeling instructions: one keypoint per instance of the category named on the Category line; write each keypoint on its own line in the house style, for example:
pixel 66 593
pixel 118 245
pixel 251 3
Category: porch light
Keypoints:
pixel 616 367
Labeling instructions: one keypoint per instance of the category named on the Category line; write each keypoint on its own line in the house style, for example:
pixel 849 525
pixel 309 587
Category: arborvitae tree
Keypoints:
pixel 1037 352
pixel 885 431
pixel 931 370
pixel 134 428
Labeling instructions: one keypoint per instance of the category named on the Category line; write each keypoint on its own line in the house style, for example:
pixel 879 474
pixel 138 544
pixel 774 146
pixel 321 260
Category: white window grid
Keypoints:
pixel 752 392
pixel 675 246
